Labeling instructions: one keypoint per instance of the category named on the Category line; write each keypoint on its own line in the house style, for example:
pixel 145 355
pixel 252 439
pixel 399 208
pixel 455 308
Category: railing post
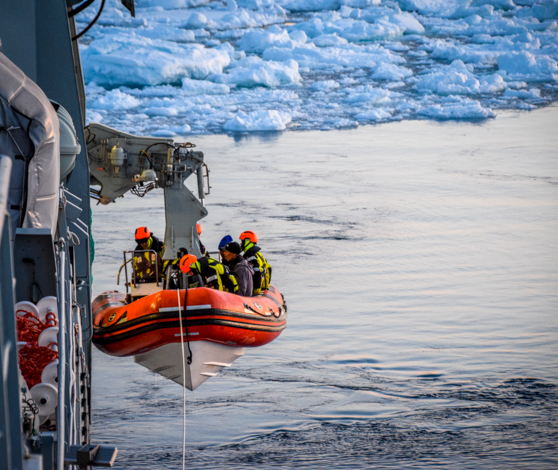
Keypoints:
pixel 61 417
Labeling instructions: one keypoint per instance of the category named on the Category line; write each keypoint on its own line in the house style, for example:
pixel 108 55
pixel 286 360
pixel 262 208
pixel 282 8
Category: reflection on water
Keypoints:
pixel 262 137
pixel 420 266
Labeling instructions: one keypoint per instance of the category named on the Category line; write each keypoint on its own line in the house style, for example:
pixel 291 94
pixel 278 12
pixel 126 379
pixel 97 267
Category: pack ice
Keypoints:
pixel 200 66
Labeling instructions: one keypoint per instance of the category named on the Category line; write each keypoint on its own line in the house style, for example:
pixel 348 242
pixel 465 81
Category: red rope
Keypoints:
pixel 32 357
pixel 32 361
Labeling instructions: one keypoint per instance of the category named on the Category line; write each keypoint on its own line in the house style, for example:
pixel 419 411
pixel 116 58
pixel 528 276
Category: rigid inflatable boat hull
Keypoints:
pixel 216 326
pixel 210 359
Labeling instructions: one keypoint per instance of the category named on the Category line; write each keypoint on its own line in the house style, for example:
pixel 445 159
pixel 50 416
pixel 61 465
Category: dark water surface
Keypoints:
pixel 419 262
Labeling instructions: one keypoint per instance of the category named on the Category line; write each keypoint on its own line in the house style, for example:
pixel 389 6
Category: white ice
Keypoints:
pixel 206 66
pixel 258 121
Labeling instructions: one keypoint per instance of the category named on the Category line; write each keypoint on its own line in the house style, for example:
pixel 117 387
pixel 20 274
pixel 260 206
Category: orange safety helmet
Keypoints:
pixel 142 233
pixel 198 227
pixel 186 261
pixel 249 235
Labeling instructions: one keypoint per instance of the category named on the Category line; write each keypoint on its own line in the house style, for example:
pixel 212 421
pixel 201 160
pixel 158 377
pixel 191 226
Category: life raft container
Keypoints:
pixel 216 326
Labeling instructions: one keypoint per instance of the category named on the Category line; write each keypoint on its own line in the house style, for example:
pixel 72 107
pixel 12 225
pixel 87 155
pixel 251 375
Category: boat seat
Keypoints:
pixel 141 289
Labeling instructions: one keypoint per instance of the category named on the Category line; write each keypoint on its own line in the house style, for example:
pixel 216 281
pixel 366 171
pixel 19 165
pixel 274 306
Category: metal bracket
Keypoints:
pixel 86 455
pixel 91 455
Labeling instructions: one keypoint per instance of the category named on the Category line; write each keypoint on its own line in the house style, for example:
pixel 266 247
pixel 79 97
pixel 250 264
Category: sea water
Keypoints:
pixel 419 262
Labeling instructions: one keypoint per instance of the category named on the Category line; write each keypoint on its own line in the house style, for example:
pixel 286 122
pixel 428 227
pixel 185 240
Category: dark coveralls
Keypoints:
pixel 243 273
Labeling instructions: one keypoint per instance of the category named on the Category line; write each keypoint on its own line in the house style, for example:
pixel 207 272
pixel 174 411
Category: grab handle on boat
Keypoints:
pixel 255 311
pixel 118 276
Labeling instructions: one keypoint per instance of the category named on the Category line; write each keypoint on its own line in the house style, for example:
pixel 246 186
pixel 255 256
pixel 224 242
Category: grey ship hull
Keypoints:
pixel 44 231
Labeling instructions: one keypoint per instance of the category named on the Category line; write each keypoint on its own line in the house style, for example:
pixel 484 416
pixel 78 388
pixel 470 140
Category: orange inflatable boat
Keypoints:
pixel 216 326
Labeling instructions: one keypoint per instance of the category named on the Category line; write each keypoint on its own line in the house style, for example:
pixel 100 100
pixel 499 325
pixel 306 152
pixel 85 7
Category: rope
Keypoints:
pixel 33 360
pixel 73 238
pixel 32 357
pixel 183 384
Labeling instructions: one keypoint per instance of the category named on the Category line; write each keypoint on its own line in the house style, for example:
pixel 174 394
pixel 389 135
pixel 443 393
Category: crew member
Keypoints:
pixel 240 268
pixel 252 254
pixel 147 263
pixel 203 251
pixel 215 275
pixel 226 239
pixel 188 277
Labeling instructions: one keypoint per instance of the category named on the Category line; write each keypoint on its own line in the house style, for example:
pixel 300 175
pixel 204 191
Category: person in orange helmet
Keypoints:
pixel 252 254
pixel 186 262
pixel 147 263
pixel 188 277
pixel 147 241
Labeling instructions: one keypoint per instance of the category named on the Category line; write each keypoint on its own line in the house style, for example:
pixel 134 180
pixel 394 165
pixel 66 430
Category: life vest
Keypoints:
pixel 148 263
pixel 215 274
pixel 262 269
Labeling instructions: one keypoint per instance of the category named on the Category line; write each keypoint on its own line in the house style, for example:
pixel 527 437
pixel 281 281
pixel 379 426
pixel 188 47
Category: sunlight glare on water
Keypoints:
pixel 419 262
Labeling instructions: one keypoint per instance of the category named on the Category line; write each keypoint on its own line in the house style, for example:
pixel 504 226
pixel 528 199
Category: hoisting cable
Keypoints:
pixel 183 374
pixel 189 360
pixel 93 21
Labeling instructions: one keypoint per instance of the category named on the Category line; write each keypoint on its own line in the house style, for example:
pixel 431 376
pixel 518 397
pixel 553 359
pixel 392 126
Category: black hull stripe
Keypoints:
pixel 191 323
pixel 189 313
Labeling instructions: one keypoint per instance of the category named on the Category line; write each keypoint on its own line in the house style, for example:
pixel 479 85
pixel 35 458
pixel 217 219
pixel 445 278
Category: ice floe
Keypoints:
pixel 526 66
pixel 258 121
pixel 206 66
pixel 456 109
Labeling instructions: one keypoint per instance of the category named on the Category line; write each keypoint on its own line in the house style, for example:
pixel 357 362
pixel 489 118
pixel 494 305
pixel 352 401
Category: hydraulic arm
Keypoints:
pixel 120 162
